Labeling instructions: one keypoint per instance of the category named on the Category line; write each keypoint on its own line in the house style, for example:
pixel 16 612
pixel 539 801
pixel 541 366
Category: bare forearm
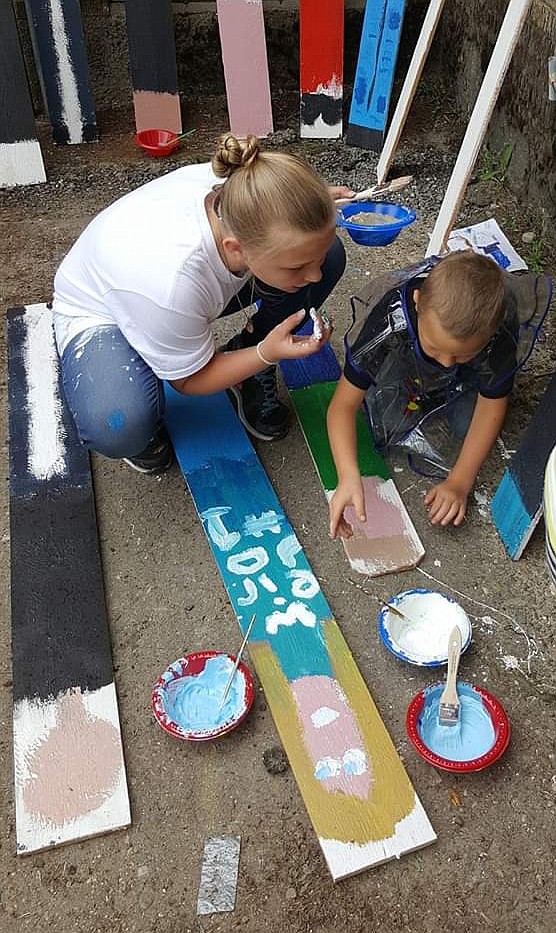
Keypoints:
pixel 485 427
pixel 342 431
pixel 221 372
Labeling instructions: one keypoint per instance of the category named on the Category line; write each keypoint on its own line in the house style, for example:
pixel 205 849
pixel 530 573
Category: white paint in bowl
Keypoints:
pixel 424 640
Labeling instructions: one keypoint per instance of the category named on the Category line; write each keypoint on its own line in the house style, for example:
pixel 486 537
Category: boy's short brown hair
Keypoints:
pixel 466 292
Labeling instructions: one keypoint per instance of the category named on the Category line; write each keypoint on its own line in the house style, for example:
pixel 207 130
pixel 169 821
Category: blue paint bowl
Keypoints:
pixel 424 640
pixel 478 740
pixel 387 221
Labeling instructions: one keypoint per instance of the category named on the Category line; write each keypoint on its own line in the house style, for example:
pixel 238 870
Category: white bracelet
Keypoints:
pixel 261 357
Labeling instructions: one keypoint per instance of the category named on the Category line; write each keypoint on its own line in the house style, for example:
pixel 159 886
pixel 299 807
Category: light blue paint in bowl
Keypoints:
pixel 472 737
pixel 193 702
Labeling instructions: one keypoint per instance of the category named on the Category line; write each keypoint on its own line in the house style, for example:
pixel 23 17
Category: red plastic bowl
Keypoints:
pixel 157 142
pixel 500 722
pixel 193 665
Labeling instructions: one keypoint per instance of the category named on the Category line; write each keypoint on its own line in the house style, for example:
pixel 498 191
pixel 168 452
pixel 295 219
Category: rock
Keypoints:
pixel 274 760
pixel 528 237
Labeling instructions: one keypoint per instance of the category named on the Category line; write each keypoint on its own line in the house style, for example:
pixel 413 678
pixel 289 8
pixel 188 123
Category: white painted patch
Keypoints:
pixel 482 501
pixel 348 858
pixel 321 130
pixel 510 662
pixel 21 164
pixel 47 447
pixel 71 108
pixel 323 716
pixel 295 612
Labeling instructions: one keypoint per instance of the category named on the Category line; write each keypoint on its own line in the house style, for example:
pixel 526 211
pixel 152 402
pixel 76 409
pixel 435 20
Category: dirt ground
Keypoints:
pixel 492 867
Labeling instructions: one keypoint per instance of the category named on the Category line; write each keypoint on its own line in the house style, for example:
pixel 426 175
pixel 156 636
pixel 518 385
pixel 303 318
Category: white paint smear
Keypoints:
pixel 433 616
pixel 71 108
pixel 47 448
pixel 323 716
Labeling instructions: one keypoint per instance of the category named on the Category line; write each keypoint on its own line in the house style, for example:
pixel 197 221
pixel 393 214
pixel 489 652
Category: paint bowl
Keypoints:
pixel 158 142
pixel 424 640
pixel 386 219
pixel 478 740
pixel 186 698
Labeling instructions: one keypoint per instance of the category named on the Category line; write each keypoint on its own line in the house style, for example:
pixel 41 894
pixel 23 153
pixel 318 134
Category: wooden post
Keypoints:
pixel 59 46
pixel 152 61
pixel 321 68
pixel 242 37
pixel 20 153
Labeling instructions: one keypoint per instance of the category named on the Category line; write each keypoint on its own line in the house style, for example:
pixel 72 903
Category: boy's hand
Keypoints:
pixel 446 503
pixel 347 493
pixel 282 344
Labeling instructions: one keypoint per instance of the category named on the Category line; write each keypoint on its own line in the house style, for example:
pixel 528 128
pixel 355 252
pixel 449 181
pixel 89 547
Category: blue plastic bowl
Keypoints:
pixel 381 234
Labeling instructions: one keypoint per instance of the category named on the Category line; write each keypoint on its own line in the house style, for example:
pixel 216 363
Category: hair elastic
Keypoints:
pixel 261 357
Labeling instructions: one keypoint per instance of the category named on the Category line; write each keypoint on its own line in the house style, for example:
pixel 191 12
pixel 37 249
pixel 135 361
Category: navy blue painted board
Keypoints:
pixel 517 504
pixel 374 73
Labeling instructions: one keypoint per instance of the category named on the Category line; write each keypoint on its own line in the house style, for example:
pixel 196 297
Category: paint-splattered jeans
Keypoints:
pixel 116 400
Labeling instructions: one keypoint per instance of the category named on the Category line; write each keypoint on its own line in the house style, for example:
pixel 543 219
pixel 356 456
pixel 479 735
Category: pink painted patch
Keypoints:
pixel 242 37
pixel 333 742
pixel 386 515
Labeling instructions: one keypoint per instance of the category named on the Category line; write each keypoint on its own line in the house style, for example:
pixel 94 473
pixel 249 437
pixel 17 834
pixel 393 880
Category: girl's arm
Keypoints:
pixel 341 423
pixel 447 501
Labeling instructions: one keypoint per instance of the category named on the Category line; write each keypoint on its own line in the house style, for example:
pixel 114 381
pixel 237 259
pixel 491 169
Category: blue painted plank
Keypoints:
pixel 374 74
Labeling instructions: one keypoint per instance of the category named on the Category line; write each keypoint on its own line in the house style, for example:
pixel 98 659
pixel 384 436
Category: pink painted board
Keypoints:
pixel 242 37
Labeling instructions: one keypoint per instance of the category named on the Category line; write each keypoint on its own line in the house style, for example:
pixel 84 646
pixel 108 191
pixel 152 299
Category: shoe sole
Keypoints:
pixel 148 470
pixel 237 401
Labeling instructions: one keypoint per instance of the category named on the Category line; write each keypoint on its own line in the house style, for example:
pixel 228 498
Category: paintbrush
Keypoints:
pixel 391 608
pixel 449 708
pixel 183 135
pixel 236 665
pixel 369 193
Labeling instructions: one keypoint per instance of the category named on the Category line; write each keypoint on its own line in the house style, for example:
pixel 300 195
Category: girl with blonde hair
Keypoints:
pixel 135 298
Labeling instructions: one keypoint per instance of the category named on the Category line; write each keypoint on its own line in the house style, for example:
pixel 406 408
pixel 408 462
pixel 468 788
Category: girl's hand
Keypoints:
pixel 446 503
pixel 282 344
pixel 348 492
pixel 338 192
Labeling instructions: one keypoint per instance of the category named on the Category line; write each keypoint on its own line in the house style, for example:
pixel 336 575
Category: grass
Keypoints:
pixel 496 164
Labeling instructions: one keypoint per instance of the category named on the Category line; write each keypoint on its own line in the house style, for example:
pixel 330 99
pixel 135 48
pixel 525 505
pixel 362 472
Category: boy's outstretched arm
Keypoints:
pixel 447 501
pixel 341 423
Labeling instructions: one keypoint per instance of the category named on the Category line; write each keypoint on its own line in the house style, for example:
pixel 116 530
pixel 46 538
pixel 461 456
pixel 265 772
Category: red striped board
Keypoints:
pixel 243 42
pixel 321 68
pixel 61 53
pixel 21 160
pixel 152 62
pixel 70 780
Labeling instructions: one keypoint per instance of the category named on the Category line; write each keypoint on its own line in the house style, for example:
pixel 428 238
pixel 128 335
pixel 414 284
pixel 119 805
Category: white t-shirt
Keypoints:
pixel 149 264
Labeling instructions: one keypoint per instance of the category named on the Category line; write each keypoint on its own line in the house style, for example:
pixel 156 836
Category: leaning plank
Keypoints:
pixel 407 92
pixel 69 768
pixel 517 503
pixel 243 42
pixel 20 153
pixel 61 54
pixel 152 62
pixel 476 128
pixel 321 68
pixel 357 793
pixel 374 74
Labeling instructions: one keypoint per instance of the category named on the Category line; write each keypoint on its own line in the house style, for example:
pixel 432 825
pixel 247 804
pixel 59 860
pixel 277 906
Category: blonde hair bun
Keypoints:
pixel 233 153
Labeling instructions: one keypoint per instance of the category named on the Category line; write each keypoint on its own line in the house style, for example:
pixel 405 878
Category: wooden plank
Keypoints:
pixel 407 92
pixel 476 128
pixel 20 153
pixel 242 37
pixel 152 62
pixel 517 503
pixel 357 793
pixel 549 508
pixel 387 541
pixel 69 768
pixel 321 68
pixel 61 58
pixel 374 74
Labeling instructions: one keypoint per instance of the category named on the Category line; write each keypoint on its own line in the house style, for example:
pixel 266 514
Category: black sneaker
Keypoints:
pixel 258 406
pixel 157 457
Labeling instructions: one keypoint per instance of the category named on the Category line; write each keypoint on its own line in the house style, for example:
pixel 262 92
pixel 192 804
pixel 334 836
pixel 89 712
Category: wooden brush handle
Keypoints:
pixel 454 652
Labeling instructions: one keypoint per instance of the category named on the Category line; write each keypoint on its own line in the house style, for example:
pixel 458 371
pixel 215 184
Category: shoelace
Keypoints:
pixel 267 381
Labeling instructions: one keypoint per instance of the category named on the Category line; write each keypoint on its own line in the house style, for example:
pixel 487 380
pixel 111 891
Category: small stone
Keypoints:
pixel 274 760
pixel 528 237
pixel 291 894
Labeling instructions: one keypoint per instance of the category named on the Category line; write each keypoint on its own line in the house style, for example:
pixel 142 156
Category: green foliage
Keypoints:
pixel 496 164
pixel 536 255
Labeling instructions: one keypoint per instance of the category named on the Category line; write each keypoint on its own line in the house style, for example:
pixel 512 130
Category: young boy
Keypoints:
pixel 443 341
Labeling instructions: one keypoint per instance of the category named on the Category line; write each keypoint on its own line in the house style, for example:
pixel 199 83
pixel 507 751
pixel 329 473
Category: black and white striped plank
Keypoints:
pixel 70 777
pixel 21 160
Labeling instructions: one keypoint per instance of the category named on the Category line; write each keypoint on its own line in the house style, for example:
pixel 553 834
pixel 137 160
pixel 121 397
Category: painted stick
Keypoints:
pixel 61 54
pixel 20 153
pixel 476 128
pixel 321 65
pixel 152 61
pixel 242 37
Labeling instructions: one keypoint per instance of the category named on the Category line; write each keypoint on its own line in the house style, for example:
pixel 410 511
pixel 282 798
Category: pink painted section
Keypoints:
pixel 157 111
pixel 336 744
pixel 242 37
pixel 386 515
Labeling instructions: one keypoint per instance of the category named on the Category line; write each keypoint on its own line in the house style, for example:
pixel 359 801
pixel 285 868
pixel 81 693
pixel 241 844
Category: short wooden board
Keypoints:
pixel 357 793
pixel 70 778
pixel 518 502
pixel 321 68
pixel 387 541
